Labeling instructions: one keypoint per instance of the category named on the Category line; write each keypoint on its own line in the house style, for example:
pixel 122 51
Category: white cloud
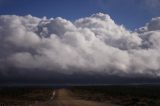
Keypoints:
pixel 91 44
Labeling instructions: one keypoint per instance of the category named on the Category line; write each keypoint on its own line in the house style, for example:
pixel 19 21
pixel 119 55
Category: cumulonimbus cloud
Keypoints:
pixel 91 44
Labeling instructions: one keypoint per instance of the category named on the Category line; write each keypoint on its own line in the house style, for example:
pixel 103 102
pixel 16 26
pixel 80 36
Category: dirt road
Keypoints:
pixel 63 98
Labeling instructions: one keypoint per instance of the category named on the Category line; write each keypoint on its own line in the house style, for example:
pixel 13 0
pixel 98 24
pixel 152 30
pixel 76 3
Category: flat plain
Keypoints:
pixel 135 95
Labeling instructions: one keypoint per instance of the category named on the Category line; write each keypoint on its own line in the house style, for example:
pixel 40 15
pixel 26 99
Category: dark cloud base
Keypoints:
pixel 30 78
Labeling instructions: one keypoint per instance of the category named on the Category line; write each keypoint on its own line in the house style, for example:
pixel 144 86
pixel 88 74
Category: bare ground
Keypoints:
pixel 63 98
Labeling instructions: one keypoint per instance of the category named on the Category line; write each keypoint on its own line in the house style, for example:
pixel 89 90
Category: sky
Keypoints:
pixel 131 13
pixel 79 42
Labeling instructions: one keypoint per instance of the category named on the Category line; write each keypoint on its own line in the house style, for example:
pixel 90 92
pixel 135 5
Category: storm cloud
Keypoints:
pixel 94 44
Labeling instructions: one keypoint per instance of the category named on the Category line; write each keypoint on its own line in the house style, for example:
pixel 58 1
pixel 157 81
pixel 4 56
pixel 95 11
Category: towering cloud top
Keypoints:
pixel 94 44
